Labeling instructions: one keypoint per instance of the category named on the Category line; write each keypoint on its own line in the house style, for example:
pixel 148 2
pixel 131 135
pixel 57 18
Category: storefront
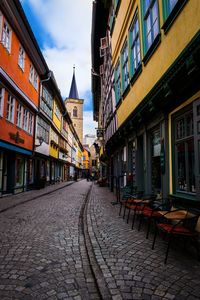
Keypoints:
pixel 15 169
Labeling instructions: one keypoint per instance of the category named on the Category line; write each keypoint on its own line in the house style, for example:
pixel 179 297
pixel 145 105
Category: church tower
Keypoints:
pixel 74 106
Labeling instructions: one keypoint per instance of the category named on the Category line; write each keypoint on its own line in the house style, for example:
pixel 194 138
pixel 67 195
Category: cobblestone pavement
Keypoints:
pixel 131 269
pixel 42 248
pixel 45 243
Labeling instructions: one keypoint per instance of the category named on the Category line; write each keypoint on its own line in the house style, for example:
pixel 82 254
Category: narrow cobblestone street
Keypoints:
pixel 47 247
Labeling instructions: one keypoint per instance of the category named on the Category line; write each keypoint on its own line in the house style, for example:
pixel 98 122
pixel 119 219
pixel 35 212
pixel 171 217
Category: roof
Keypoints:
pixel 73 94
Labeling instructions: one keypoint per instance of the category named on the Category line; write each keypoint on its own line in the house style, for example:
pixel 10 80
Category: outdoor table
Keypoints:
pixel 173 215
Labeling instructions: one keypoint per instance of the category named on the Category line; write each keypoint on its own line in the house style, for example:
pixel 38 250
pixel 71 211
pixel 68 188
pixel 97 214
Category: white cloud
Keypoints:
pixel 89 125
pixel 68 23
pixel 69 26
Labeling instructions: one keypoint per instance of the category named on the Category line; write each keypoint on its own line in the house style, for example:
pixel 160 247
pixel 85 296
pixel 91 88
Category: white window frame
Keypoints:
pixel 25 119
pixel 6 35
pixel 35 80
pixel 10 108
pixel 30 123
pixel 19 115
pixel 31 73
pixel 21 58
pixel 2 94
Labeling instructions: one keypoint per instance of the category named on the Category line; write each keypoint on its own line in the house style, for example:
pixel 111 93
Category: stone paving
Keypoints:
pixel 131 269
pixel 43 253
pixel 42 248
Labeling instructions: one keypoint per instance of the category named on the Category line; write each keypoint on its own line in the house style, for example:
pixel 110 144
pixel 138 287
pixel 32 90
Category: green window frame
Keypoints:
pixel 116 5
pixel 134 45
pixel 150 22
pixel 125 66
pixel 171 9
pixel 168 6
pixel 117 83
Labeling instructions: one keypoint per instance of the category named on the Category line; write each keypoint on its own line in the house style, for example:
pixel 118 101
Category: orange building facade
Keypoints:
pixel 21 66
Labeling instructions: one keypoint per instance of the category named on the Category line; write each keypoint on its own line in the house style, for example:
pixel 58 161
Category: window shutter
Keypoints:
pixel 196 113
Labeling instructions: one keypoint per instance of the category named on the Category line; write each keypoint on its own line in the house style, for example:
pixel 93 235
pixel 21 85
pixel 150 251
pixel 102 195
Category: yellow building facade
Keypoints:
pixel 150 51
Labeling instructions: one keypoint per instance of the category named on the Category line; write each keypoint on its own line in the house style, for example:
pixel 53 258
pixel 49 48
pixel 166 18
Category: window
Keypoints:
pixel 75 112
pixel 57 111
pixel 31 73
pixel 25 120
pixel 35 80
pixel 184 153
pixel 6 36
pixel 30 123
pixel 117 83
pixel 125 72
pixel 10 109
pixel 151 22
pixel 46 102
pixel 43 130
pixel 19 115
pixel 171 9
pixel 134 45
pixel 33 77
pixel 19 169
pixel 21 58
pixel 2 92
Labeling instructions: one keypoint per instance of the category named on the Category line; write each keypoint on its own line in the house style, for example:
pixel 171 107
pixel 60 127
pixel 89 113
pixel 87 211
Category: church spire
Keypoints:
pixel 73 94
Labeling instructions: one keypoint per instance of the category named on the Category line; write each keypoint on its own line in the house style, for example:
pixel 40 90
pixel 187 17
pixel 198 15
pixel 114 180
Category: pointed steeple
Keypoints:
pixel 73 94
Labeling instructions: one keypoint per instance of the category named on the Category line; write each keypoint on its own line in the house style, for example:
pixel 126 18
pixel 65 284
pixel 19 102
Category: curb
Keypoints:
pixel 93 246
pixel 34 198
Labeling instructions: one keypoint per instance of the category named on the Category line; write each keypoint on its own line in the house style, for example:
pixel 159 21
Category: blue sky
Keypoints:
pixel 64 40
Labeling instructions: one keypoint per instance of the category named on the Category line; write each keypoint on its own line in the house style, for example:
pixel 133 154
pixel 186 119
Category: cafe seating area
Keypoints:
pixel 163 217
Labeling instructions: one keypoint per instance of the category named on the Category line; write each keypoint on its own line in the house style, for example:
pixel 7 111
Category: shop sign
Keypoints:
pixel 99 133
pixel 16 137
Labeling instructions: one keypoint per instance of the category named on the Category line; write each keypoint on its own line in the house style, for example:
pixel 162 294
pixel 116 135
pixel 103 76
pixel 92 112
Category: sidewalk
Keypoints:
pixel 9 201
pixel 131 269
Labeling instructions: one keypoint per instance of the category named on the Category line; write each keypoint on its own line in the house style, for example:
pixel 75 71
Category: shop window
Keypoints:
pixel 150 22
pixel 19 167
pixel 125 69
pixel 184 152
pixel 155 161
pixel 10 109
pixel 117 83
pixel 2 92
pixel 134 42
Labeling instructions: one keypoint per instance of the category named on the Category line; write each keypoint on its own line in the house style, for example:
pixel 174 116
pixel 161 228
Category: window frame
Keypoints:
pixel 21 58
pixel 169 16
pixel 2 98
pixel 132 44
pixel 6 37
pixel 125 66
pixel 19 120
pixel 10 111
pixel 178 140
pixel 117 84
pixel 147 12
